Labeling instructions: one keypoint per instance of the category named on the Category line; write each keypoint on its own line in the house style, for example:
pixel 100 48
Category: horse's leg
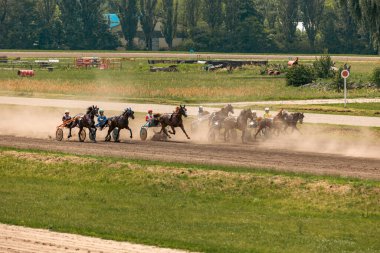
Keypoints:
pixel 183 129
pixel 173 130
pixel 258 131
pixel 110 129
pixel 225 135
pixel 163 129
pixel 296 128
pixel 243 136
pixel 130 131
pixel 93 132
pixel 118 134
pixel 80 131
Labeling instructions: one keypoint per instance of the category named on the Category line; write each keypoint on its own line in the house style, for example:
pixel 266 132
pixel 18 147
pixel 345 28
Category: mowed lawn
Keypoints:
pixel 191 84
pixel 198 208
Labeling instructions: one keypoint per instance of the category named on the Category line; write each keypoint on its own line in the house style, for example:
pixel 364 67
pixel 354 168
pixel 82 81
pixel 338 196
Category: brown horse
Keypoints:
pixel 271 124
pixel 87 121
pixel 292 119
pixel 120 122
pixel 173 120
pixel 221 115
pixel 240 123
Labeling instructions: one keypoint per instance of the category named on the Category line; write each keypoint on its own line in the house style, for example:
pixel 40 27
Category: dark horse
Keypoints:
pixel 273 124
pixel 87 121
pixel 221 115
pixel 239 123
pixel 121 122
pixel 292 119
pixel 173 120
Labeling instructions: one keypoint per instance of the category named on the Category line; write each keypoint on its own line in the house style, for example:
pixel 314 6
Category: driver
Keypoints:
pixel 149 118
pixel 267 114
pixel 201 112
pixel 66 116
pixel 102 120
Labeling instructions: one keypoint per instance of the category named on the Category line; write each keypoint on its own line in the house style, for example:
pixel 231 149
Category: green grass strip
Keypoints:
pixel 199 208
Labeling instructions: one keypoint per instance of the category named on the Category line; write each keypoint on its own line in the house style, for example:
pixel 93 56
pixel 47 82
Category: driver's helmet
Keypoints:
pixel 200 109
pixel 150 111
pixel 267 109
pixel 67 111
pixel 101 111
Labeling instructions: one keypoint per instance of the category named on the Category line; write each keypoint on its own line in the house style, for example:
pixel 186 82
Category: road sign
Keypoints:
pixel 345 73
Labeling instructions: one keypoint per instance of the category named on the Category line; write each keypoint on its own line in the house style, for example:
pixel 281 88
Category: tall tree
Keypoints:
pixel 73 36
pixel 3 14
pixel 191 13
pixel 212 14
pixel 128 14
pixel 367 12
pixel 85 26
pixel 20 27
pixel 312 15
pixel 50 25
pixel 288 16
pixel 148 20
pixel 169 20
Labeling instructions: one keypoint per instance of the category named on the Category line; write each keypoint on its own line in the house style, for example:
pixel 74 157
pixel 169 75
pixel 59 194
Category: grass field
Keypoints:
pixel 134 83
pixel 199 208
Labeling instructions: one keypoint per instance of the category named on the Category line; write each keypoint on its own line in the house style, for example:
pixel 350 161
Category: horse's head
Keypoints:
pixel 300 118
pixel 93 111
pixel 247 113
pixel 228 109
pixel 182 110
pixel 129 113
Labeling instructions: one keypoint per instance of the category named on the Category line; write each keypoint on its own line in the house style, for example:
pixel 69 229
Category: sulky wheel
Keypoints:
pixel 115 134
pixel 143 134
pixel 82 136
pixel 59 134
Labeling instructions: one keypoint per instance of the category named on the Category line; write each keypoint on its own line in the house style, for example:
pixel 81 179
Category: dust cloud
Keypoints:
pixel 39 122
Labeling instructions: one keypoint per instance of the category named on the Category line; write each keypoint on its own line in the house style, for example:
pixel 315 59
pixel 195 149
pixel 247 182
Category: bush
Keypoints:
pixel 376 76
pixel 338 80
pixel 322 67
pixel 299 75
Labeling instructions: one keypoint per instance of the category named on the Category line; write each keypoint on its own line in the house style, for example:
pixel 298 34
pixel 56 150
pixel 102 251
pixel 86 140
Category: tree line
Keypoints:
pixel 342 26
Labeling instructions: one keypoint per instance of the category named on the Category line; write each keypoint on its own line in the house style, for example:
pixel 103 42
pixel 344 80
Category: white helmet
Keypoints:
pixel 67 111
pixel 267 109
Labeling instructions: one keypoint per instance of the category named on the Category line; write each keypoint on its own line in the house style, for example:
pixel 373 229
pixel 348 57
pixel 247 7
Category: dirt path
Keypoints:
pixel 303 102
pixel 250 156
pixel 192 110
pixel 18 239
pixel 179 55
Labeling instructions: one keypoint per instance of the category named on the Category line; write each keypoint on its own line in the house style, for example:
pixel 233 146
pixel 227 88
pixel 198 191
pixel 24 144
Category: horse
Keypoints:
pixel 87 121
pixel 292 119
pixel 173 120
pixel 121 122
pixel 274 123
pixel 221 115
pixel 240 123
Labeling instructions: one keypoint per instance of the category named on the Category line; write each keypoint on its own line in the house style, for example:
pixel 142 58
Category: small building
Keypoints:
pixel 158 40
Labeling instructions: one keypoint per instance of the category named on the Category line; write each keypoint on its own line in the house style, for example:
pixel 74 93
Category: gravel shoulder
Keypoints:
pixel 19 239
pixel 70 54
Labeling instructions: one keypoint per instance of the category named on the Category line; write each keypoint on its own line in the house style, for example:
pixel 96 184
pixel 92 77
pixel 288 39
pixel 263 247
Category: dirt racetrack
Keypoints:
pixel 251 156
